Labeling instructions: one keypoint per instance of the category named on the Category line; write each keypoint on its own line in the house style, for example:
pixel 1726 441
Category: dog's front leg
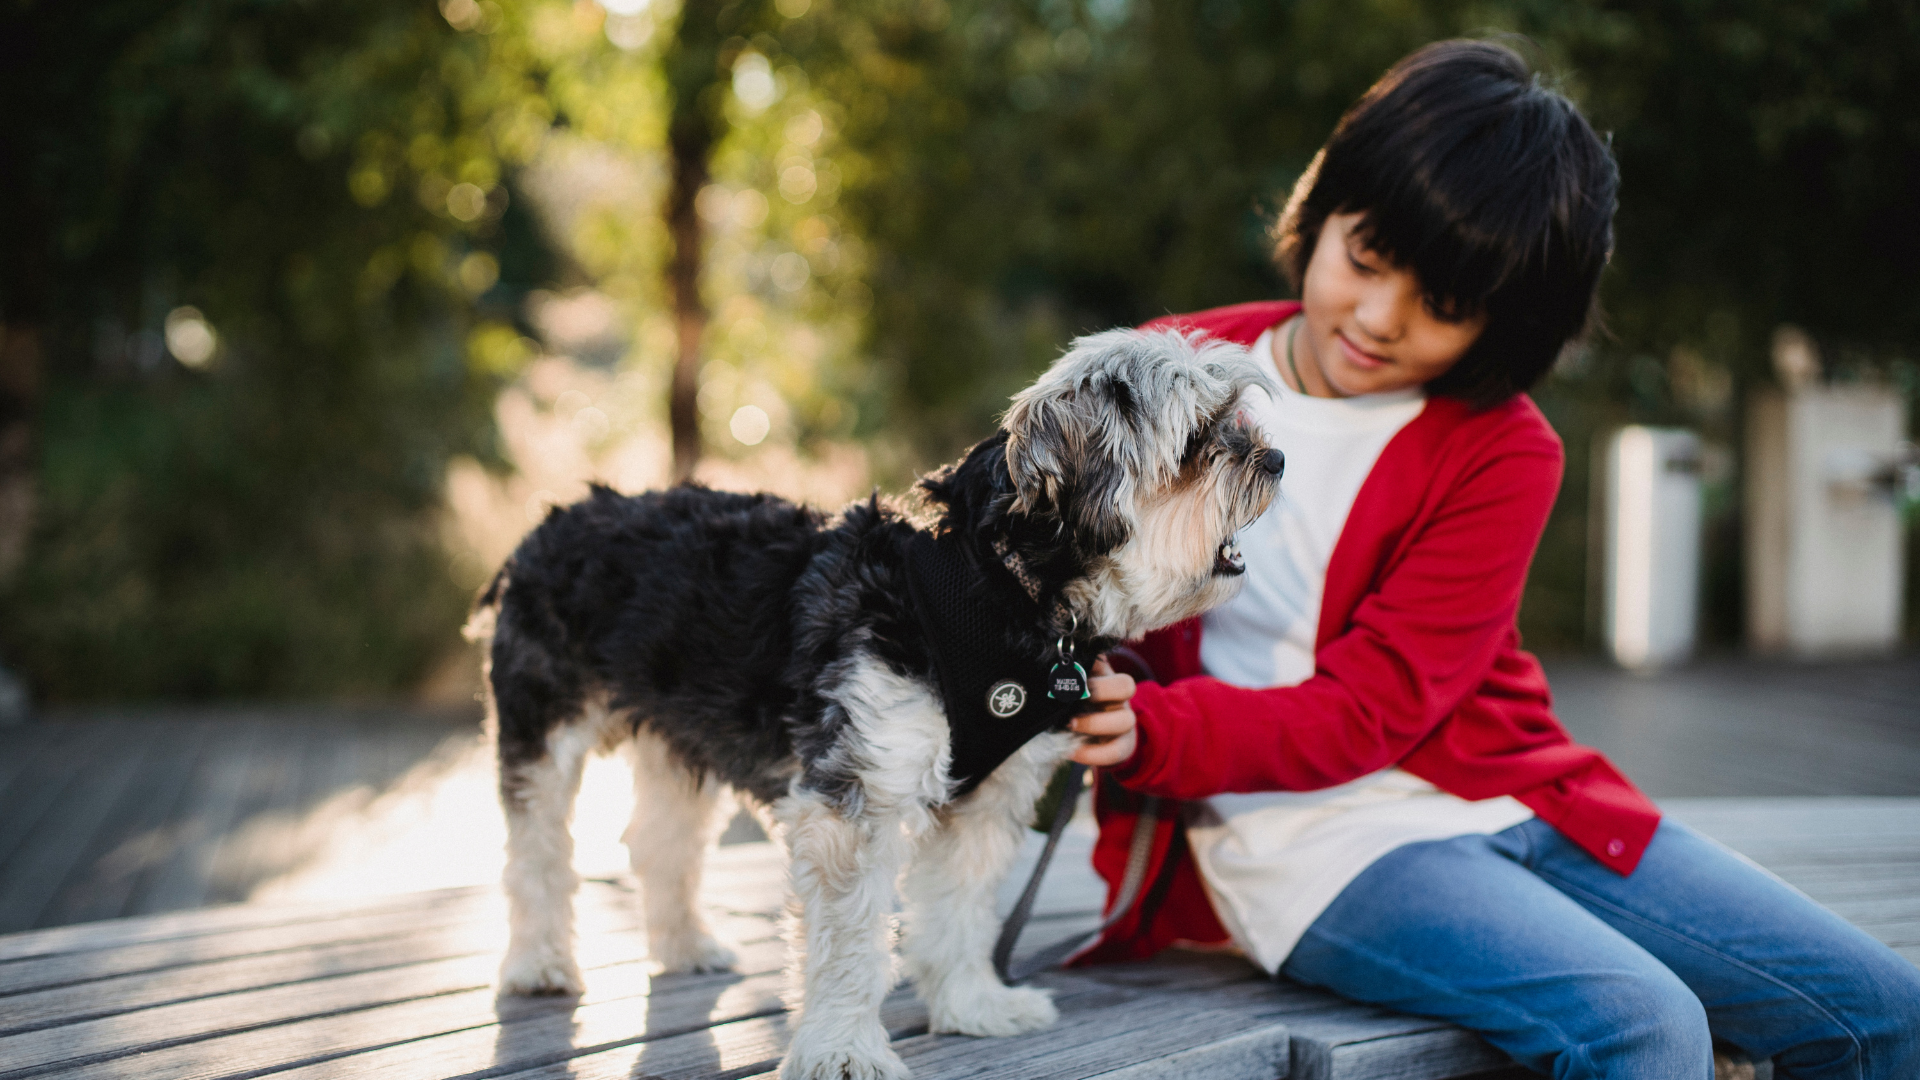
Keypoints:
pixel 842 874
pixel 950 924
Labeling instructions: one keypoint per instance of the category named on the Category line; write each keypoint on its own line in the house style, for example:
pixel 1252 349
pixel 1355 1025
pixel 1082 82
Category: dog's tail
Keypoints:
pixel 486 608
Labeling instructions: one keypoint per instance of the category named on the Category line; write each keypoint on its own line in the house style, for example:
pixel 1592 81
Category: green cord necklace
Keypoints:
pixel 1293 331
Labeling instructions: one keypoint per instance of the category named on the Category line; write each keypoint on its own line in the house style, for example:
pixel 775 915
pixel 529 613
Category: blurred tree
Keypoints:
pixel 246 237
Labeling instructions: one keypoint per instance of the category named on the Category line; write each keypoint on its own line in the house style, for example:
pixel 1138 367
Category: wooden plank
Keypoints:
pixel 219 785
pixel 206 922
pixel 238 859
pixel 528 1034
pixel 54 767
pixel 318 1022
pixel 71 830
pixel 1089 1029
pixel 1213 1033
pixel 61 969
pixel 479 916
pixel 737 1049
pixel 127 846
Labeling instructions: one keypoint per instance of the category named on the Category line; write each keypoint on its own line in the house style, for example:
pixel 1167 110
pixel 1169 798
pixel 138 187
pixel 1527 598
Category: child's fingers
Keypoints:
pixel 1112 751
pixel 1110 690
pixel 1104 724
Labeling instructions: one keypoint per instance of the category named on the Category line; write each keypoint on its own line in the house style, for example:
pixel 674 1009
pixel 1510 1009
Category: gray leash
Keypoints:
pixel 1137 853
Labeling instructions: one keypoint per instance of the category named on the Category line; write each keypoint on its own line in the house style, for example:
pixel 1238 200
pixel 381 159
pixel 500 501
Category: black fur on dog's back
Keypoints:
pixel 680 606
pixel 722 622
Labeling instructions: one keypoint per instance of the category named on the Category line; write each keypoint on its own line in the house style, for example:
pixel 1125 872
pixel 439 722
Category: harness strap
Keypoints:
pixel 1138 851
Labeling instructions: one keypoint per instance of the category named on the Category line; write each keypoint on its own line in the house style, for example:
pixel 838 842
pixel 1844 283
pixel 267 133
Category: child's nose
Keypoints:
pixel 1384 310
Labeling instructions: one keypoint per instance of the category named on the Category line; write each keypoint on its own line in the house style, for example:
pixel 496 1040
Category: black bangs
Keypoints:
pixel 1492 189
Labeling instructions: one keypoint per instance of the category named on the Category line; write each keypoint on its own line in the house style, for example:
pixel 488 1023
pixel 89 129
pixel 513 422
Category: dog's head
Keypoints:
pixel 1134 448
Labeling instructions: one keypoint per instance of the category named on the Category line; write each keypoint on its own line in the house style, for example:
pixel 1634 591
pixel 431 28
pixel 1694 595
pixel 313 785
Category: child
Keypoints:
pixel 1383 803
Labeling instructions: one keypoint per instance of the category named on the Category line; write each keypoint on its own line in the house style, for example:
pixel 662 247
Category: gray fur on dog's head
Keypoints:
pixel 1118 410
pixel 1135 439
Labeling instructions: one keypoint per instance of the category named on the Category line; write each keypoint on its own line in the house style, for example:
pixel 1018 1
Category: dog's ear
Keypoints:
pixel 1072 452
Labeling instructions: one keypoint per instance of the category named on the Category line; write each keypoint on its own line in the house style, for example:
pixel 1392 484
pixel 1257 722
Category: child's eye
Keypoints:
pixel 1452 316
pixel 1359 265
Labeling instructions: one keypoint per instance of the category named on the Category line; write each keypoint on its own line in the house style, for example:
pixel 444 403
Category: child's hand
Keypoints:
pixel 1107 736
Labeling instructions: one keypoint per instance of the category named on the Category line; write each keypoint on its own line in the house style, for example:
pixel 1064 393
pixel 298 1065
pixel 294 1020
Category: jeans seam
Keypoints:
pixel 1567 886
pixel 1446 990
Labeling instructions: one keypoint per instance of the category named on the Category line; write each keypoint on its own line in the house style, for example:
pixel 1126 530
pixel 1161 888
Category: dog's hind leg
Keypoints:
pixel 676 818
pixel 949 892
pixel 546 725
pixel 538 797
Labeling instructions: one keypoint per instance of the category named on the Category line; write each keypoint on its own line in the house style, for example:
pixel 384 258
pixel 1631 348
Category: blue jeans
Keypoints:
pixel 1576 971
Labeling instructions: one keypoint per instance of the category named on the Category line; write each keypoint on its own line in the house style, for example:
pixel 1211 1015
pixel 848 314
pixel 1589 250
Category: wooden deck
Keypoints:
pixel 399 986
pixel 114 813
pixel 159 814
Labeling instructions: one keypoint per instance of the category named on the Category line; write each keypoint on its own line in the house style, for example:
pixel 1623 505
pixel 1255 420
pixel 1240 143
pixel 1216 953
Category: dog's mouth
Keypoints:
pixel 1228 561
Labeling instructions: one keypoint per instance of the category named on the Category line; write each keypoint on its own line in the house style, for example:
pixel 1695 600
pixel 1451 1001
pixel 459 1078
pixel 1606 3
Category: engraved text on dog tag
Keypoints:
pixel 1068 682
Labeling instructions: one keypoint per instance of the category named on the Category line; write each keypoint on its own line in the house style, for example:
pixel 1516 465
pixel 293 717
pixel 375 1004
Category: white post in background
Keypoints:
pixel 1824 466
pixel 1652 561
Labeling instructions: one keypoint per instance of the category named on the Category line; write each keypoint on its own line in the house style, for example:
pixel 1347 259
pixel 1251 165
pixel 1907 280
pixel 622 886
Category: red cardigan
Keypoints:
pixel 1417 664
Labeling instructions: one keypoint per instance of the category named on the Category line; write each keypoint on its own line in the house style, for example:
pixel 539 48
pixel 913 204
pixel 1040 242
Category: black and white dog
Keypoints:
pixel 742 642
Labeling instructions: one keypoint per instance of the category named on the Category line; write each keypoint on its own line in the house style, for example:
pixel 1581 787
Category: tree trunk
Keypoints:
pixel 694 72
pixel 691 140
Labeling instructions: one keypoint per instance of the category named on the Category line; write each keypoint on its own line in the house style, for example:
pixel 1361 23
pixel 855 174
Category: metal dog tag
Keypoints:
pixel 1068 682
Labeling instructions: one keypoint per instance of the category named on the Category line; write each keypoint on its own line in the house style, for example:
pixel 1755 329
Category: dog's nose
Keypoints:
pixel 1274 462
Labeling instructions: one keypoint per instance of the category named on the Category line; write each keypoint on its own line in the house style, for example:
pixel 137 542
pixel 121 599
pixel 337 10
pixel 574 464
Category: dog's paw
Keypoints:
pixel 539 973
pixel 994 1010
pixel 875 1061
pixel 691 953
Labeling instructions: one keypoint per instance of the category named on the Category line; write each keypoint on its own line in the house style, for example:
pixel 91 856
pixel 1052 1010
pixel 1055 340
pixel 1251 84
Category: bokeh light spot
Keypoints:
pixel 797 183
pixel 466 202
pixel 189 338
pixel 753 82
pixel 478 272
pixel 790 271
pixel 629 32
pixel 750 424
pixel 805 128
pixel 591 424
pixel 749 208
pixel 462 14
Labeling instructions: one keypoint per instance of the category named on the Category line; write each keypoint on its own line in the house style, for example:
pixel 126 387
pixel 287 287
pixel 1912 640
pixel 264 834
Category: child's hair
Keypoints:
pixel 1491 188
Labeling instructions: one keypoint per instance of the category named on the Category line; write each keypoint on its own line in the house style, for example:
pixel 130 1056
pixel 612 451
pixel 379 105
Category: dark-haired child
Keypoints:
pixel 1382 800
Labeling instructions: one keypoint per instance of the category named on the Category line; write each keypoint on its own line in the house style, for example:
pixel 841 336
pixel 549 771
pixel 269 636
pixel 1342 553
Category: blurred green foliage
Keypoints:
pixel 968 183
pixel 265 524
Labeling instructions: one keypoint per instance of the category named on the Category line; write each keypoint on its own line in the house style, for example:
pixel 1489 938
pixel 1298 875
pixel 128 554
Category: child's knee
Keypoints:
pixel 1645 1024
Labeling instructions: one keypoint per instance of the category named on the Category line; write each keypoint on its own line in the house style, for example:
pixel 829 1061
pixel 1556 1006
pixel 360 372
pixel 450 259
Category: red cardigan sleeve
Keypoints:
pixel 1418 645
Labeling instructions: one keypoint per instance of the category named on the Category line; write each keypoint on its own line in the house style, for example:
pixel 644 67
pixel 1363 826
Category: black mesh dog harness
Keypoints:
pixel 996 696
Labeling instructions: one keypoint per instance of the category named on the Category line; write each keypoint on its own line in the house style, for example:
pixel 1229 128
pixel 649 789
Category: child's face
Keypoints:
pixel 1368 328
